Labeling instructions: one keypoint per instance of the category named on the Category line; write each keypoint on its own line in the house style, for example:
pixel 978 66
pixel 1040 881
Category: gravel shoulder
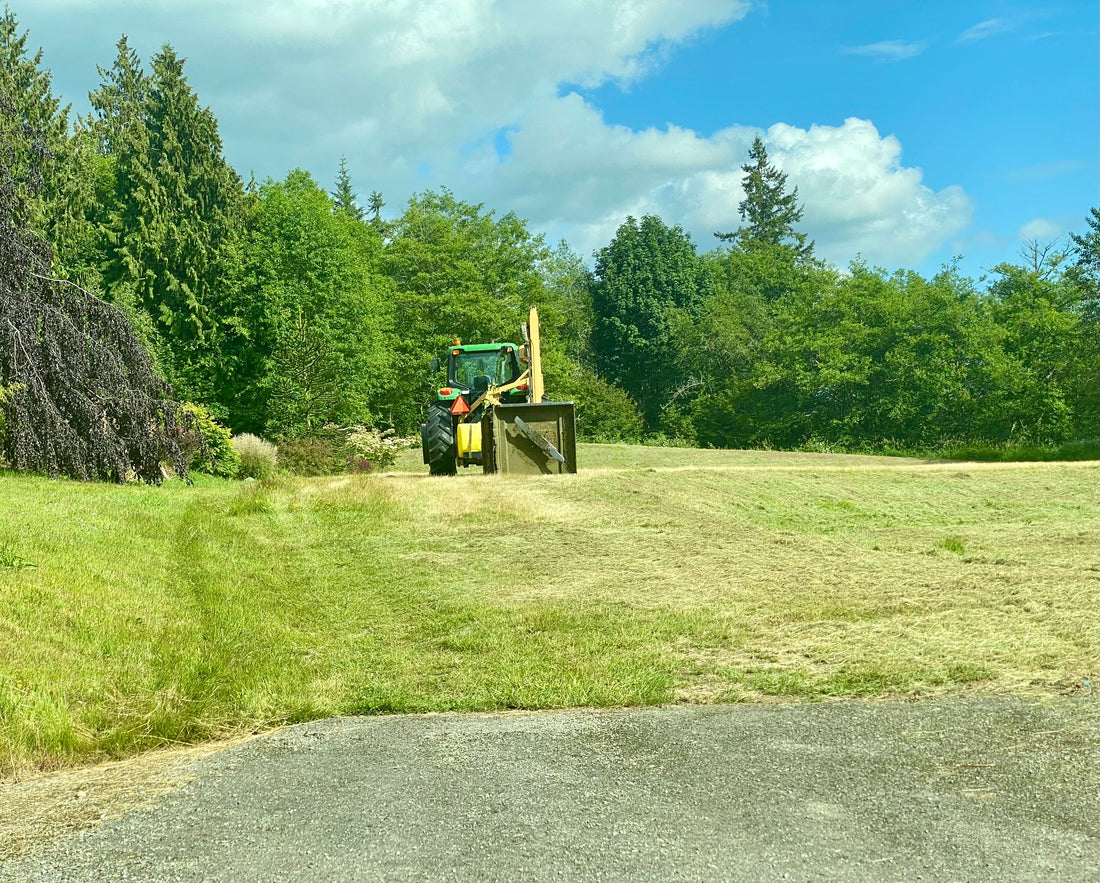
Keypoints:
pixel 945 789
pixel 38 810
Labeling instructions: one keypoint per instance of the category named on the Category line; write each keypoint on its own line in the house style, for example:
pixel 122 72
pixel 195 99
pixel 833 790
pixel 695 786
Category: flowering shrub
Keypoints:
pixel 378 447
pixel 258 457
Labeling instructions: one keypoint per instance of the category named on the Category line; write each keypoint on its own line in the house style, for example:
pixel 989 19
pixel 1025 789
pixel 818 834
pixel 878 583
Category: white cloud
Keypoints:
pixel 859 197
pixel 573 174
pixel 1043 229
pixel 404 86
pixel 982 30
pixel 417 78
pixel 889 50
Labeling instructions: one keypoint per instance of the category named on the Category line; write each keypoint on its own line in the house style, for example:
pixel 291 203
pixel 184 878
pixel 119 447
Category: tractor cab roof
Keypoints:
pixel 481 347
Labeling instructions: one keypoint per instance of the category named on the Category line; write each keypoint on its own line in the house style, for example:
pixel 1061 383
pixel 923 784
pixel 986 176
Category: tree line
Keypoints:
pixel 283 307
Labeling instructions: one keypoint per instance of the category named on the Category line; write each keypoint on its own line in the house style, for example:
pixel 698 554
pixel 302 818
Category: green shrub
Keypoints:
pixel 605 413
pixel 309 456
pixel 258 457
pixel 1018 452
pixel 6 393
pixel 208 445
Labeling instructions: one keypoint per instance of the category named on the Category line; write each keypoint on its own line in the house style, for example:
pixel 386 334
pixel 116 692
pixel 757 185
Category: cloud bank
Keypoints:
pixel 483 96
pixel 580 177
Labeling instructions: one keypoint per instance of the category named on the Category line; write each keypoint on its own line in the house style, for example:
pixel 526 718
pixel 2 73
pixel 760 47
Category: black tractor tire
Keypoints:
pixel 438 435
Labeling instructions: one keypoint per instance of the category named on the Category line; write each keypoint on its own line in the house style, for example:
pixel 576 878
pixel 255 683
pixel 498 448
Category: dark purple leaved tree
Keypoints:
pixel 78 393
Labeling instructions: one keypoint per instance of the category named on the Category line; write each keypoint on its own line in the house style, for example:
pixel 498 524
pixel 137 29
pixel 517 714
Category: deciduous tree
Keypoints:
pixel 644 280
pixel 459 271
pixel 306 343
pixel 78 395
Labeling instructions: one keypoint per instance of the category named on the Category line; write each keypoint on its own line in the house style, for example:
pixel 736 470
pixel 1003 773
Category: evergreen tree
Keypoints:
pixel 119 105
pixel 38 133
pixel 118 129
pixel 770 211
pixel 170 231
pixel 344 196
pixel 374 205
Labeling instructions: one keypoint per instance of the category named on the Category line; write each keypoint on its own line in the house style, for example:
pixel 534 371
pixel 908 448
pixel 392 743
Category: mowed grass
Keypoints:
pixel 161 615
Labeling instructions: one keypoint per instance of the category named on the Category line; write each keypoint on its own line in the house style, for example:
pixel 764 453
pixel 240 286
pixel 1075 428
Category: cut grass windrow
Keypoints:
pixel 155 616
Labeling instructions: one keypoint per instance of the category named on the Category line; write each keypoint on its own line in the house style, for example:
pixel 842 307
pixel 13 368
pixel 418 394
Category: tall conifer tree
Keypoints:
pixel 375 205
pixel 771 212
pixel 42 146
pixel 172 225
pixel 343 196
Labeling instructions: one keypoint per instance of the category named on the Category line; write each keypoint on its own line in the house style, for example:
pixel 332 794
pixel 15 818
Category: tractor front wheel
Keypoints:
pixel 438 434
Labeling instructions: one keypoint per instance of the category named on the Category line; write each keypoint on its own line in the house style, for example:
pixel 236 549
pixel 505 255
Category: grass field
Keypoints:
pixel 154 616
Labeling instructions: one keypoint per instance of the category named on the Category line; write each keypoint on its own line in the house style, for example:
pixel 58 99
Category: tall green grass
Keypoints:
pixel 161 615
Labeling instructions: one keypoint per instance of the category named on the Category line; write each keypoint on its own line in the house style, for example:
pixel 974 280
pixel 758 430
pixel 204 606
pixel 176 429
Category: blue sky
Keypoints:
pixel 1001 99
pixel 914 130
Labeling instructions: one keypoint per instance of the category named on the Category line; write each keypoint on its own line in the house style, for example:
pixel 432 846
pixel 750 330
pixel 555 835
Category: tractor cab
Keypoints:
pixel 481 365
pixel 474 368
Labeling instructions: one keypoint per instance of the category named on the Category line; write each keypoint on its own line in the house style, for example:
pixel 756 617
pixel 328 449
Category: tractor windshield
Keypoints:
pixel 480 370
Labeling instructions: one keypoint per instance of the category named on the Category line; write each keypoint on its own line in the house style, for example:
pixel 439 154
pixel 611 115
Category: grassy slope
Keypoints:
pixel 174 614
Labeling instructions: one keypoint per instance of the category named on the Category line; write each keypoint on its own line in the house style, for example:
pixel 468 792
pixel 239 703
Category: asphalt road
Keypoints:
pixel 987 789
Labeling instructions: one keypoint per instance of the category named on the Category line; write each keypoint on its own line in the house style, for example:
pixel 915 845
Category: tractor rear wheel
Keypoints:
pixel 439 441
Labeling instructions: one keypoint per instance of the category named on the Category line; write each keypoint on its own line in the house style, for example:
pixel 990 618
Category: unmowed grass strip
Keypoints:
pixel 176 614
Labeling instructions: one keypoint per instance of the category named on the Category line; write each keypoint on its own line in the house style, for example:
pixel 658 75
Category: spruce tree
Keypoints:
pixel 38 133
pixel 770 211
pixel 344 196
pixel 118 119
pixel 375 205
pixel 171 228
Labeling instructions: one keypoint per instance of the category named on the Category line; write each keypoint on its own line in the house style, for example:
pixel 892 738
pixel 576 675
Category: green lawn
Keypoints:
pixel 160 615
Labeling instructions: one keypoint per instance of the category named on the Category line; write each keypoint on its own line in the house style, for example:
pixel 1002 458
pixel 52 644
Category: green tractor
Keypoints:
pixel 492 412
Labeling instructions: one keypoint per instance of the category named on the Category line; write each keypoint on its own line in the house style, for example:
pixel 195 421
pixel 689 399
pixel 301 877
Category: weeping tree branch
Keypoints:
pixel 80 396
